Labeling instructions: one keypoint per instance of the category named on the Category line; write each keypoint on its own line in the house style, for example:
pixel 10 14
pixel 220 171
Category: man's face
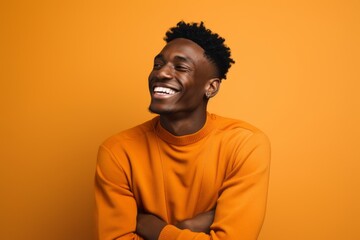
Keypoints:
pixel 179 78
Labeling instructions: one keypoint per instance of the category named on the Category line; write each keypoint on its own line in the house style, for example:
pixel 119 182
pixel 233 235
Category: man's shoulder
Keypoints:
pixel 238 128
pixel 133 134
pixel 226 123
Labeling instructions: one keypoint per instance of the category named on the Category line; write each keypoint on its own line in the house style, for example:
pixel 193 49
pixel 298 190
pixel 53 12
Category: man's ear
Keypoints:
pixel 212 87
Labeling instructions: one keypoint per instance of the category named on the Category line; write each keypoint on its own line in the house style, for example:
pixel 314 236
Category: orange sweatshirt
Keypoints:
pixel 225 165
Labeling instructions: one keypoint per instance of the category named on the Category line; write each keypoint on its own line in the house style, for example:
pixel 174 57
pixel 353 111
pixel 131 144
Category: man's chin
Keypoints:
pixel 159 111
pixel 152 110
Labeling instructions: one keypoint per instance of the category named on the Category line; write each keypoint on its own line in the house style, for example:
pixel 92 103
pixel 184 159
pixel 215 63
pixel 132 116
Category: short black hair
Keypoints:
pixel 213 45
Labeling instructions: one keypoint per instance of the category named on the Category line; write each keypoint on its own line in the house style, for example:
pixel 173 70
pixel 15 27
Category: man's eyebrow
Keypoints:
pixel 177 57
pixel 184 59
pixel 159 56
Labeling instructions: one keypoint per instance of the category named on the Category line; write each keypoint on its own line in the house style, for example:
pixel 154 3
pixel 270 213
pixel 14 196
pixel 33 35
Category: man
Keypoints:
pixel 185 174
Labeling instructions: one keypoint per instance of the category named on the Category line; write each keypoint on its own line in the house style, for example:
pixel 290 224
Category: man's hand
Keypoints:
pixel 199 223
pixel 149 226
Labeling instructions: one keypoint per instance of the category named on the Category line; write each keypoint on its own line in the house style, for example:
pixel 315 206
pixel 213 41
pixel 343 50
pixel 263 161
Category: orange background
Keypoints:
pixel 75 72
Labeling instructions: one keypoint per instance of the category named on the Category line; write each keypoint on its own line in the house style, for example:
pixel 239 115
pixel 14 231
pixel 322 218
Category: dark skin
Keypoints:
pixel 182 67
pixel 149 226
pixel 181 83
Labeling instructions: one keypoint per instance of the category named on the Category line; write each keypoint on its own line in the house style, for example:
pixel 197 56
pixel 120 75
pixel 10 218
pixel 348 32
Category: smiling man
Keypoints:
pixel 186 173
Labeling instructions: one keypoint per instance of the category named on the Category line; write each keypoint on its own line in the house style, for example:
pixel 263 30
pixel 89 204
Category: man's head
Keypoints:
pixel 188 70
pixel 213 45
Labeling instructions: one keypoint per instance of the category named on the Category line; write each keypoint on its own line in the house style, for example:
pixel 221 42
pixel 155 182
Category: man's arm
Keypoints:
pixel 150 226
pixel 199 223
pixel 115 203
pixel 116 206
pixel 241 204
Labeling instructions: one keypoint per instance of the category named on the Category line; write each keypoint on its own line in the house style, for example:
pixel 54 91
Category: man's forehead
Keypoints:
pixel 182 48
pixel 179 57
pixel 184 42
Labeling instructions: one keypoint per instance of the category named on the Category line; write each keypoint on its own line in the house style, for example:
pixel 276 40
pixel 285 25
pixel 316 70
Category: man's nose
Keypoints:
pixel 165 72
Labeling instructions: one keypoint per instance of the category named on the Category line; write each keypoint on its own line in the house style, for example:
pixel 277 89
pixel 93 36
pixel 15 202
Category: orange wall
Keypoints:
pixel 74 72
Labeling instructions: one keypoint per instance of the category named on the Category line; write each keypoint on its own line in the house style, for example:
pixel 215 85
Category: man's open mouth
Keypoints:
pixel 164 91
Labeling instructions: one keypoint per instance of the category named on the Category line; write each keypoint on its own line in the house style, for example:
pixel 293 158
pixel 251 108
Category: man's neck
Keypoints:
pixel 184 124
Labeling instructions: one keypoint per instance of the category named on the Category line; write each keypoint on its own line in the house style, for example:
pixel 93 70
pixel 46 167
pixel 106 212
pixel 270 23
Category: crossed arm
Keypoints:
pixel 149 226
pixel 239 212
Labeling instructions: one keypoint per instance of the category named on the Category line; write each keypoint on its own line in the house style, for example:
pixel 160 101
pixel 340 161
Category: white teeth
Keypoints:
pixel 164 90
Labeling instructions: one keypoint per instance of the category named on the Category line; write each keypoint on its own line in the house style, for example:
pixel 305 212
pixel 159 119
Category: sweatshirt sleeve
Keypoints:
pixel 116 207
pixel 242 199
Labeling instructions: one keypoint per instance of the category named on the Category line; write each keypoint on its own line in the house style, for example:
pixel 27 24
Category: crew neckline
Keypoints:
pixel 184 139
